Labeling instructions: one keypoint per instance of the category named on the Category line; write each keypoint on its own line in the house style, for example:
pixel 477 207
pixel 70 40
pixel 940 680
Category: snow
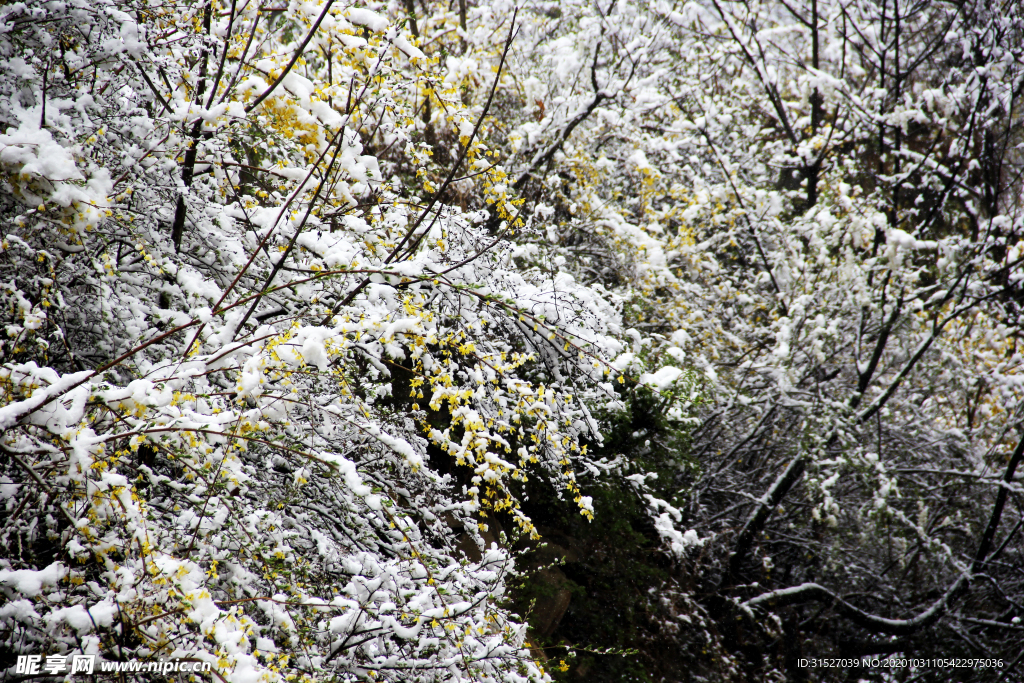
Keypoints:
pixel 100 615
pixel 662 379
pixel 898 239
pixel 14 411
pixel 678 543
pixel 34 152
pixel 30 583
pixel 368 18
pixel 403 44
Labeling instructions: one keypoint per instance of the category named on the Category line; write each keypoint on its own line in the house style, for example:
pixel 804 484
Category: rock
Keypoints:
pixel 555 593
pixel 468 544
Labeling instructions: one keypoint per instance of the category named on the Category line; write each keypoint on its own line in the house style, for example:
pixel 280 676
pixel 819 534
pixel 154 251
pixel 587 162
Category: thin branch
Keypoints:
pixel 295 57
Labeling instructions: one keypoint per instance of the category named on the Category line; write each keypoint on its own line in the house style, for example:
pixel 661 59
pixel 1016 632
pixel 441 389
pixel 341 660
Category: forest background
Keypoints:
pixel 574 341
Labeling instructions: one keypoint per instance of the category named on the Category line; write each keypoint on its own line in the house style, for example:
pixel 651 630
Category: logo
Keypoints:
pixel 31 665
